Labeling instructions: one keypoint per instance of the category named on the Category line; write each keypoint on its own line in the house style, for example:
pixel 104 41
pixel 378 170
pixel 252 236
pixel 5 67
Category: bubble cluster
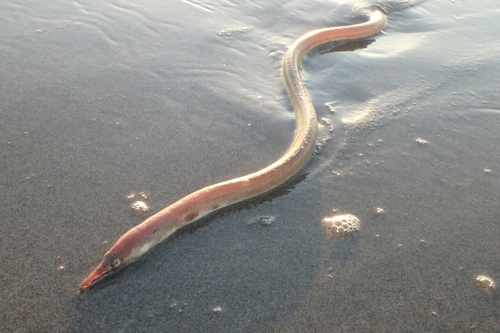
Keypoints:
pixel 267 220
pixel 327 123
pixel 139 207
pixel 486 283
pixel 341 225
pixel 263 220
pixel 234 32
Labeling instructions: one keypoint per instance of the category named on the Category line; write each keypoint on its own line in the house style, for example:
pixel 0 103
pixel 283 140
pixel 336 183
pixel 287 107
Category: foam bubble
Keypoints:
pixel 486 283
pixel 139 207
pixel 341 225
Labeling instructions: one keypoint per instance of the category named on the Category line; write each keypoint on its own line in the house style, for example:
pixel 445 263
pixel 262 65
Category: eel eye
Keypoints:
pixel 116 263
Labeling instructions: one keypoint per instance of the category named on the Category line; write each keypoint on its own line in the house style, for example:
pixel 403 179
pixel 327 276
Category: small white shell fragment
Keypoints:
pixel 341 225
pixel 421 141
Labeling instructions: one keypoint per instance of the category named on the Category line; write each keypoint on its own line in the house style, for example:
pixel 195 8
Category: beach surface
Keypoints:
pixel 99 102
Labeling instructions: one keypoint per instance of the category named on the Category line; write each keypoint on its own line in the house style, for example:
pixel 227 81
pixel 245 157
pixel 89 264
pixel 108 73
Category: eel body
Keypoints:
pixel 140 239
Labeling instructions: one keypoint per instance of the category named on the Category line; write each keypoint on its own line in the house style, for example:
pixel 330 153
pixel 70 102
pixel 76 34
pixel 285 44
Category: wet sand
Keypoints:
pixel 100 102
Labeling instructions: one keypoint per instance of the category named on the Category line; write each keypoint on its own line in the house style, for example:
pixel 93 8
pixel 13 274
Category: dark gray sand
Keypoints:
pixel 101 101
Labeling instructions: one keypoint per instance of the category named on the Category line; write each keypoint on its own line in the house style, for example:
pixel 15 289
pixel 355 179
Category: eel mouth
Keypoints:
pixel 94 277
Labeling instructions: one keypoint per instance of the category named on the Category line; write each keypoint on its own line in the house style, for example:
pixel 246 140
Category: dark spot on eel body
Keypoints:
pixel 191 216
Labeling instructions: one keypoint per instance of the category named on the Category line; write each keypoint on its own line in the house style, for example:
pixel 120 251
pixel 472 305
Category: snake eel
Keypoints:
pixel 140 239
